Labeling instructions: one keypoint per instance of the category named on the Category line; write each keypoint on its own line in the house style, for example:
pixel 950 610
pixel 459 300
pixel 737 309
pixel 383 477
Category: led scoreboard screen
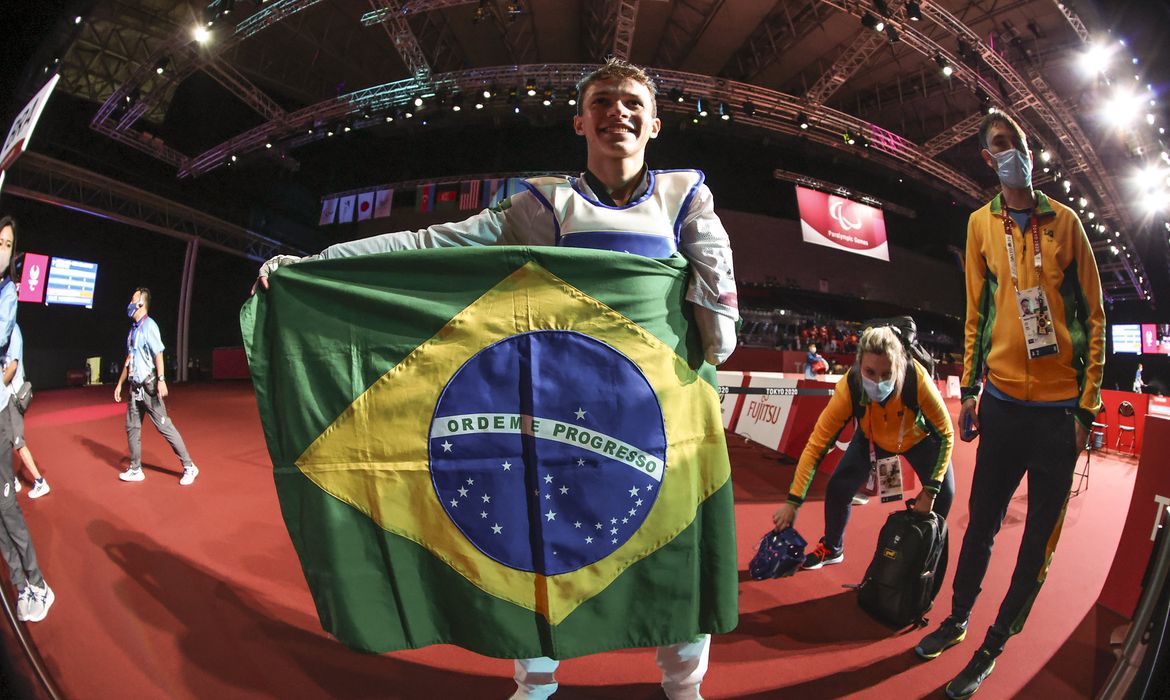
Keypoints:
pixel 71 282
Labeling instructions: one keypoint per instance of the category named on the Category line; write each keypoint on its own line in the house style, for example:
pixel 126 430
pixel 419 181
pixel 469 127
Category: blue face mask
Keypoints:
pixel 132 309
pixel 1014 169
pixel 877 391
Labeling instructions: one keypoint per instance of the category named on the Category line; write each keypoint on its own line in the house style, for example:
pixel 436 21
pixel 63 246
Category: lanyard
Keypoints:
pixel 901 434
pixel 1011 247
pixel 132 343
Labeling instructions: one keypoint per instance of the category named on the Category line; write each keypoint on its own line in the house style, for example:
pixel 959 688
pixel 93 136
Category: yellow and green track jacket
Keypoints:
pixel 880 424
pixel 994 336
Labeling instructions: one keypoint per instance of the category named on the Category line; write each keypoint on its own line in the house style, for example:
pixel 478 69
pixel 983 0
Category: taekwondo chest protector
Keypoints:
pixel 649 226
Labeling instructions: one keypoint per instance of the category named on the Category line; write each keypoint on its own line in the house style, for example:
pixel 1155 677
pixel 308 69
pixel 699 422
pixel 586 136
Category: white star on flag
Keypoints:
pixel 564 490
pixel 613 531
pixel 614 540
pixel 638 502
pixel 547 496
pixel 487 498
pixel 577 524
pixel 633 511
pixel 507 466
pixel 462 492
pixel 454 503
pixel 633 491
pixel 471 482
pixel 446 446
pixel 613 521
pixel 581 413
pixel 625 520
pixel 483 514
pixel 598 526
pixel 548 479
pixel 649 487
pixel 580 462
pixel 551 515
pixel 496 529
pixel 588 540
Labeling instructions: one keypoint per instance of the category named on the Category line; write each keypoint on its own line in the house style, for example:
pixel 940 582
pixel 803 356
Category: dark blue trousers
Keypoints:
pixel 853 469
pixel 1015 440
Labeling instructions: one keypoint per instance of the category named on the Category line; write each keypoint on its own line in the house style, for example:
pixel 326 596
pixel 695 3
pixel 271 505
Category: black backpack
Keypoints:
pixel 907 569
pixel 907 331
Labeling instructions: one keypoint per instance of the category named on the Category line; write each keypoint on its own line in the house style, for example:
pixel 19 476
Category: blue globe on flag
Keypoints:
pixel 547 450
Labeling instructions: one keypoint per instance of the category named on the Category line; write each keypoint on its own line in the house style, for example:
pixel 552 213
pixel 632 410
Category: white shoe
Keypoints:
pixel 23 600
pixel 42 600
pixel 132 474
pixel 189 474
pixel 40 488
pixel 16 484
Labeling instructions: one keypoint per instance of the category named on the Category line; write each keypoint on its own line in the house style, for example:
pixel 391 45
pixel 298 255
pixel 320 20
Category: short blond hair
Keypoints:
pixel 884 340
pixel 618 69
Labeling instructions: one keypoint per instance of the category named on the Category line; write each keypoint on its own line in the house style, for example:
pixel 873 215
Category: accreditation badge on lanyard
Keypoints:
pixel 1032 303
pixel 888 469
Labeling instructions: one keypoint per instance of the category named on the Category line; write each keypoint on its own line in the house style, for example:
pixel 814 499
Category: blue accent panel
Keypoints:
pixel 645 195
pixel 558 505
pixel 644 244
pixel 541 198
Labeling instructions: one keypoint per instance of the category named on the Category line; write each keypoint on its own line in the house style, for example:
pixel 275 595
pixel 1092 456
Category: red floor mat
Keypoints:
pixel 178 592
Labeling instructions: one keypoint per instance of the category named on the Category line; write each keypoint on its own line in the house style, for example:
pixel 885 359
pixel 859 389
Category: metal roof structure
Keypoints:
pixel 816 70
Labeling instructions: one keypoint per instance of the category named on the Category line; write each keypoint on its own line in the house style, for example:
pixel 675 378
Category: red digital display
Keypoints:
pixel 837 222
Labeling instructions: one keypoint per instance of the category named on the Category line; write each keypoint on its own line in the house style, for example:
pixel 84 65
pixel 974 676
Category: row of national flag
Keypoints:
pixel 468 195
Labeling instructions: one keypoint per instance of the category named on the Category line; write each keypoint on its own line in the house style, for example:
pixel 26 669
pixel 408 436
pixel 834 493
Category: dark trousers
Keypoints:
pixel 853 469
pixel 1015 440
pixel 15 542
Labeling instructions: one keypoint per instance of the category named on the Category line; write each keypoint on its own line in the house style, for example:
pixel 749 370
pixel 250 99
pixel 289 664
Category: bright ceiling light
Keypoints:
pixel 1095 59
pixel 1122 106
pixel 201 34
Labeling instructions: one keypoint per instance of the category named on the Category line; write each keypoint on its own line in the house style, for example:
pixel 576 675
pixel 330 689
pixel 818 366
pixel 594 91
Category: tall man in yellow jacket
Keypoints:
pixel 1040 365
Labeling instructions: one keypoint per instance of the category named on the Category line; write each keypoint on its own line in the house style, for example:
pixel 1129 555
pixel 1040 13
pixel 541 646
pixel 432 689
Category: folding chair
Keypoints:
pixel 1125 410
pixel 1096 442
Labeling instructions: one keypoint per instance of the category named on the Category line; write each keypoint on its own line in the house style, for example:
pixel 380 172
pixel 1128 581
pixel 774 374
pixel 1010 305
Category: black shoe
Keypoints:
pixel 971 677
pixel 952 631
pixel 823 556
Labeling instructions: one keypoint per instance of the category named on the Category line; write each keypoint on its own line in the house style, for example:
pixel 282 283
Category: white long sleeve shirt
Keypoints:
pixel 525 219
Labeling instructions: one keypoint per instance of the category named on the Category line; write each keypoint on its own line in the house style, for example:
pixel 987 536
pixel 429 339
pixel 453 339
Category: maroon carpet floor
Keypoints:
pixel 178 592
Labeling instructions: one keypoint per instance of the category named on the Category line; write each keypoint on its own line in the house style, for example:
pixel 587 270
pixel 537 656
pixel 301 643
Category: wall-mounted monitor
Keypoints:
pixel 71 282
pixel 1156 338
pixel 837 222
pixel 1127 338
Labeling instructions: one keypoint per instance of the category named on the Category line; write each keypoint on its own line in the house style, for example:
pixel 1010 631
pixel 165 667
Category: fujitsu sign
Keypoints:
pixel 837 222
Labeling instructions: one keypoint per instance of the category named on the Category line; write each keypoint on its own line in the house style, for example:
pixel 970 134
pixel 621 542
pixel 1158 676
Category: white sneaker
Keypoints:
pixel 23 601
pixel 40 488
pixel 189 474
pixel 16 484
pixel 42 600
pixel 132 474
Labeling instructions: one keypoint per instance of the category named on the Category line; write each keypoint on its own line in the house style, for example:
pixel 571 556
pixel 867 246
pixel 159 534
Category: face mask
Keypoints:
pixel 132 309
pixel 1014 169
pixel 877 391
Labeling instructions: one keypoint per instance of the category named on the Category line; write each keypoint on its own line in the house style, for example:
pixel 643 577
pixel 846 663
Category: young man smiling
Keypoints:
pixel 617 204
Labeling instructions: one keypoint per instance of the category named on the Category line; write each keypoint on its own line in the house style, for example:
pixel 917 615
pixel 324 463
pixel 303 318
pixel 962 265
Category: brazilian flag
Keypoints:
pixel 514 450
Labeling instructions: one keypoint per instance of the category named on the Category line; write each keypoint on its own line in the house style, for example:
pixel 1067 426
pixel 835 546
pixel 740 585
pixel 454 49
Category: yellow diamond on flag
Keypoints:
pixel 380 455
